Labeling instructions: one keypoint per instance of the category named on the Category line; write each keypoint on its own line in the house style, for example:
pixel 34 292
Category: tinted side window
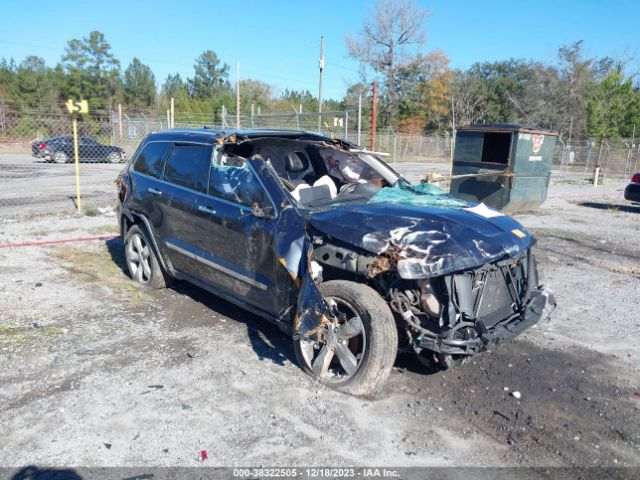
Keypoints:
pixel 188 166
pixel 231 179
pixel 149 160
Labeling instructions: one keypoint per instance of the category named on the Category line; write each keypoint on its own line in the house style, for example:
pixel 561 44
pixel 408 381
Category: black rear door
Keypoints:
pixel 185 176
pixel 150 195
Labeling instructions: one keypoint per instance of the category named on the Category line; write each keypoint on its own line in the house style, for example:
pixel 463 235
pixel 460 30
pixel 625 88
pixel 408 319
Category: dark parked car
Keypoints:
pixel 328 242
pixel 60 150
pixel 632 191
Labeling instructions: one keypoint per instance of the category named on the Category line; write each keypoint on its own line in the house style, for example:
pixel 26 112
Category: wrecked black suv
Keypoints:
pixel 331 244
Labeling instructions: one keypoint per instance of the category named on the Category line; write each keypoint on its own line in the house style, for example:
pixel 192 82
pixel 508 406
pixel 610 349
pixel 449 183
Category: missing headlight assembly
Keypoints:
pixel 464 313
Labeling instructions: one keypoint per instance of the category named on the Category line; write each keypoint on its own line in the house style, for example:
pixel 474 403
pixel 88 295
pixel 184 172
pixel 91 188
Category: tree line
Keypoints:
pixel 581 96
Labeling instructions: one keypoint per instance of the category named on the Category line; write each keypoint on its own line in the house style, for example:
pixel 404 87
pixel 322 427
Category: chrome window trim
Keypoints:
pixel 232 273
pixel 207 194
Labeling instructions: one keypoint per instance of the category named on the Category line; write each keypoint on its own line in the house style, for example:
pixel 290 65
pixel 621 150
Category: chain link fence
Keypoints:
pixel 615 158
pixel 37 172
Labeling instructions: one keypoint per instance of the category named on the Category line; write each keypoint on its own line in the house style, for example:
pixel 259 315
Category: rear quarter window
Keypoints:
pixel 149 161
pixel 188 166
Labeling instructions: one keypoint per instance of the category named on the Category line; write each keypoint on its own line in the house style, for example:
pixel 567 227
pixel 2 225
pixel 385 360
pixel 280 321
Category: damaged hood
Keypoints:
pixel 426 241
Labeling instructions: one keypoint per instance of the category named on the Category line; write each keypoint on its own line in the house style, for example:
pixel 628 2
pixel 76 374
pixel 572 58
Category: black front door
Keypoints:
pixel 236 240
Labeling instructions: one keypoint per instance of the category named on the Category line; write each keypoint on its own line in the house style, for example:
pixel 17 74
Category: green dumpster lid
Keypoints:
pixel 508 127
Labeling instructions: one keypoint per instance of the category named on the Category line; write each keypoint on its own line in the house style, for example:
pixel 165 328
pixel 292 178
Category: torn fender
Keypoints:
pixel 294 251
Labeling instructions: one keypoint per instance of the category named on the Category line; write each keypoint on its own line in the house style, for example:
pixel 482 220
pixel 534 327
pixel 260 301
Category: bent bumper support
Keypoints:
pixel 486 337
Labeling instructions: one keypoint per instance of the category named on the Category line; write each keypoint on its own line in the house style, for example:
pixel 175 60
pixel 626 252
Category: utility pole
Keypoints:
pixel 2 116
pixel 359 118
pixel 453 134
pixel 120 119
pixel 374 116
pixel 453 126
pixel 173 114
pixel 570 129
pixel 238 94
pixel 320 85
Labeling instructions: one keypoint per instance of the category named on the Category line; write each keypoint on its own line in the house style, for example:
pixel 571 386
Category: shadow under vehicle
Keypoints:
pixel 329 243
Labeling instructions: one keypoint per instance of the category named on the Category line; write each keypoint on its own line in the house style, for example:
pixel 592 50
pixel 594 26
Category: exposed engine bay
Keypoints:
pixel 452 316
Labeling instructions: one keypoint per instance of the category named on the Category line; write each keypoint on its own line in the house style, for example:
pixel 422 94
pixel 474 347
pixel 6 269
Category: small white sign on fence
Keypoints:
pixel 132 132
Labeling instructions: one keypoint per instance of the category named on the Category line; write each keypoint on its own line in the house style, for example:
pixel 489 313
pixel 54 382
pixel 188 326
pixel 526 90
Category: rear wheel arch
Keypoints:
pixel 126 221
pixel 141 221
pixel 141 259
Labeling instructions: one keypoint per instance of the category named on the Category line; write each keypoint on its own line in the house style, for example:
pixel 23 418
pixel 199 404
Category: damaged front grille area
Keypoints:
pixel 459 314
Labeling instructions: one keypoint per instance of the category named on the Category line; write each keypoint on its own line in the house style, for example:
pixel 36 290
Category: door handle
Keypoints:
pixel 208 210
pixel 154 191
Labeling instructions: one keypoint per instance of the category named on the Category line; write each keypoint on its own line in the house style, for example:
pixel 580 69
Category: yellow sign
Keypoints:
pixel 518 233
pixel 77 106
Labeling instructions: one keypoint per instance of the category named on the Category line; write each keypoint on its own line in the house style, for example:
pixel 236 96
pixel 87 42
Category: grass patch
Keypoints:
pixel 22 331
pixel 104 267
pixel 569 181
pixel 90 211
pixel 625 270
pixel 106 229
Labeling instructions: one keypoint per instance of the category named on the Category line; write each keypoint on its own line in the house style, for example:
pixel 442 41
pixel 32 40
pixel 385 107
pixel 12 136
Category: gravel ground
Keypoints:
pixel 99 373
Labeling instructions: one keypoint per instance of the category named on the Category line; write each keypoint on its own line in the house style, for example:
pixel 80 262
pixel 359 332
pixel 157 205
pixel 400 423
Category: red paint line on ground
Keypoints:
pixel 52 242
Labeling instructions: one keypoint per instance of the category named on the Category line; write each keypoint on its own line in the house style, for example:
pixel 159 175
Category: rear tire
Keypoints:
pixel 373 349
pixel 141 259
pixel 60 157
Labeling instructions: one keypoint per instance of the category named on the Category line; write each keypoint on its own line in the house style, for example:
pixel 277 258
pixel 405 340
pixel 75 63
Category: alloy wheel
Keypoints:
pixel 138 257
pixel 60 157
pixel 339 354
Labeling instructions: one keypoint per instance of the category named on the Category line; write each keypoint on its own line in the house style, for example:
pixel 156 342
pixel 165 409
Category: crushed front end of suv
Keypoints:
pixel 332 245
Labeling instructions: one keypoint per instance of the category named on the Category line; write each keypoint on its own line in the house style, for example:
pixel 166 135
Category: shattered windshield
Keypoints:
pixel 353 167
pixel 425 194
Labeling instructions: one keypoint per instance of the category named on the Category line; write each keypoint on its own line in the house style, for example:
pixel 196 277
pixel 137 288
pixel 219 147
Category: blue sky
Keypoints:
pixel 277 41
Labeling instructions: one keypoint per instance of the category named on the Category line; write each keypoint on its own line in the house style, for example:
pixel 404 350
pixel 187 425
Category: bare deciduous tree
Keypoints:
pixel 384 44
pixel 470 97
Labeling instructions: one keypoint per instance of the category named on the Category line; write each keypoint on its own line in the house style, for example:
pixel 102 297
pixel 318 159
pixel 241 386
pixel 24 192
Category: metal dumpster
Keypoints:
pixel 505 166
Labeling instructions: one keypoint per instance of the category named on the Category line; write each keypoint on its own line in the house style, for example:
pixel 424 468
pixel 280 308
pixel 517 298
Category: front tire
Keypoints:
pixel 359 349
pixel 114 157
pixel 141 259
